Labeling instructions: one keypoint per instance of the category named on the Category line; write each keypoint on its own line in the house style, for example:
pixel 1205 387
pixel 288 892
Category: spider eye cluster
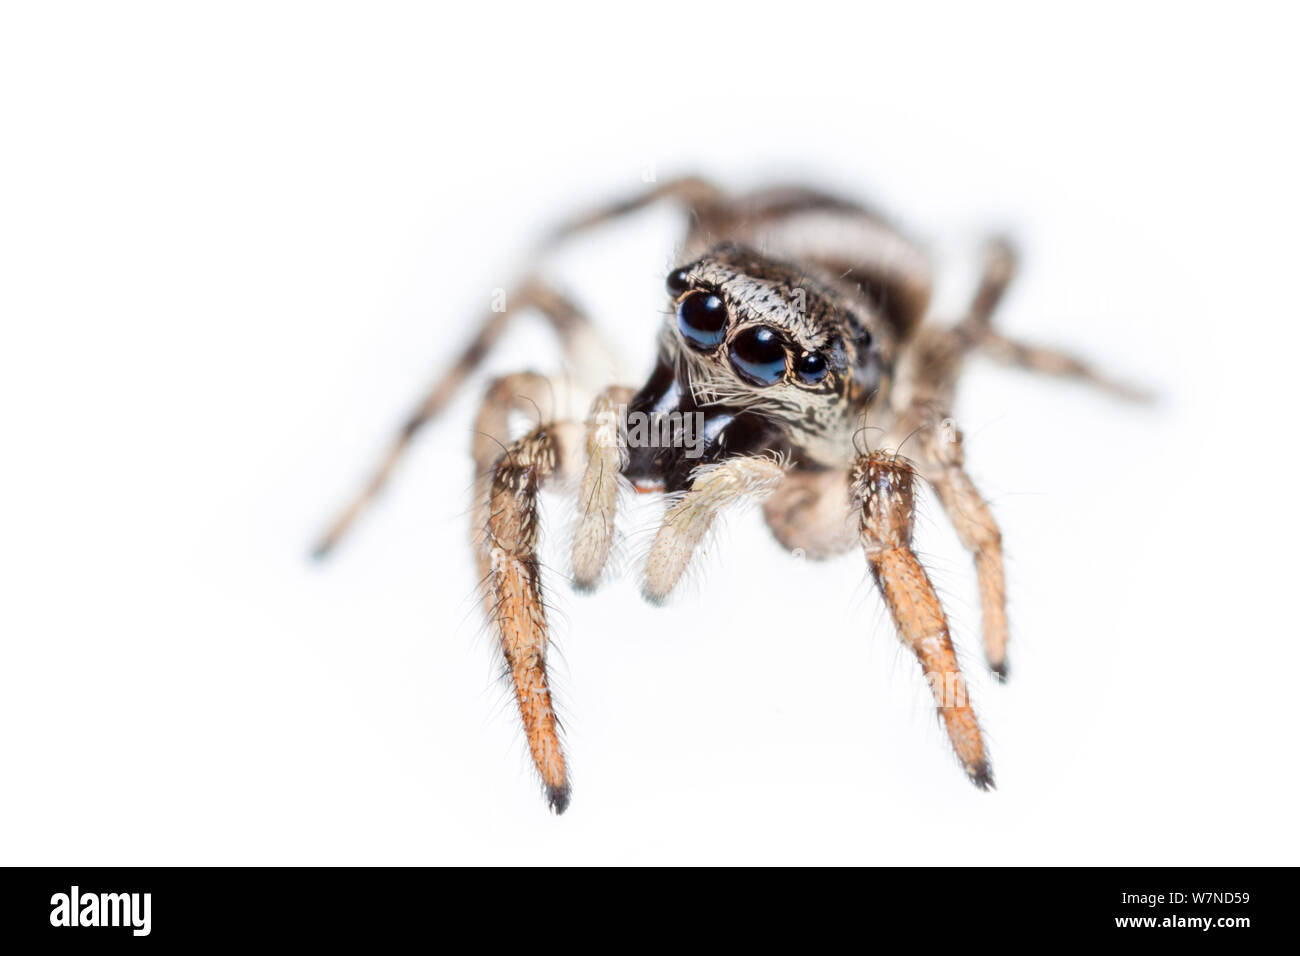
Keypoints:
pixel 758 354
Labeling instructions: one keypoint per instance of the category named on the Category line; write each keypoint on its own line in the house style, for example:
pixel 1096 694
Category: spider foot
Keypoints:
pixel 981 774
pixel 652 597
pixel 558 799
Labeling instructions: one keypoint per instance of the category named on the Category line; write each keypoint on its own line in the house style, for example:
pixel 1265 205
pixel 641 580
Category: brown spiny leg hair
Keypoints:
pixel 509 481
pixel 882 488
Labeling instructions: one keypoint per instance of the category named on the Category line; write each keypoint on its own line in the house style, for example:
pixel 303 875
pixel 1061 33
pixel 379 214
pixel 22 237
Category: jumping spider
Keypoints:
pixel 796 338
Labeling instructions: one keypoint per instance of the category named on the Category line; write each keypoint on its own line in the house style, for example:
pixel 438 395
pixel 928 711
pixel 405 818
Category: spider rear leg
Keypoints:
pixel 509 484
pixel 1036 358
pixel 882 487
pixel 583 348
pixel 975 330
pixel 1000 262
pixel 713 488
pixel 690 191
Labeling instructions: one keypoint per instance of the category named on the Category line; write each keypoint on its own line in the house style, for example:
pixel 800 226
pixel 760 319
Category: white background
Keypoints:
pixel 237 240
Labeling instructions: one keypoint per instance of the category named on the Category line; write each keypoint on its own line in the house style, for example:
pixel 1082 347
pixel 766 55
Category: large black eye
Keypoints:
pixel 811 367
pixel 679 280
pixel 702 320
pixel 758 355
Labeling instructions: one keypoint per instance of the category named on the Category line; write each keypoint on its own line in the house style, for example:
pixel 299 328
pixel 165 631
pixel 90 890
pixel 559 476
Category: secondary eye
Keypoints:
pixel 702 320
pixel 758 355
pixel 811 368
pixel 679 280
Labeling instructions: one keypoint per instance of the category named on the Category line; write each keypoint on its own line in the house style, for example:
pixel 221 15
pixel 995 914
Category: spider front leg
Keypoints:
pixel 882 488
pixel 509 485
pixel 713 488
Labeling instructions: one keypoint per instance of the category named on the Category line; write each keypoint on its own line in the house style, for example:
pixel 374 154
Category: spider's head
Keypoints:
pixel 750 334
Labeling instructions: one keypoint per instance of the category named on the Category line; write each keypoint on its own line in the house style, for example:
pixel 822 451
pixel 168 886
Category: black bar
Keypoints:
pixel 938 906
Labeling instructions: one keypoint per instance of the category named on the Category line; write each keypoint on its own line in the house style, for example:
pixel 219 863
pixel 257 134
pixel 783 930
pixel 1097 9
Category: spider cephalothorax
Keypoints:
pixel 751 337
pixel 793 366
